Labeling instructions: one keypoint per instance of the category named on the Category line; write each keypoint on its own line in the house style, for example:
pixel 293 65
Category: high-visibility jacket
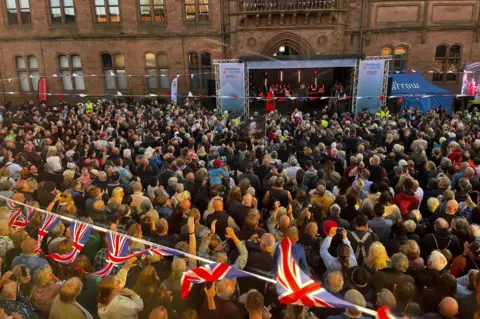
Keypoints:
pixel 89 107
pixel 384 114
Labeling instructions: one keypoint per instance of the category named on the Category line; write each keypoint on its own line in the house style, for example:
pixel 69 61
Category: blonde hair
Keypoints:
pixel 410 249
pixel 4 228
pixel 42 276
pixel 52 151
pixel 117 196
pixel 4 172
pixel 178 267
pixel 70 290
pixel 377 256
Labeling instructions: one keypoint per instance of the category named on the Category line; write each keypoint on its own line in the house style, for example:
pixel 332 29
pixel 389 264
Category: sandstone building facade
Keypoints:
pixel 106 46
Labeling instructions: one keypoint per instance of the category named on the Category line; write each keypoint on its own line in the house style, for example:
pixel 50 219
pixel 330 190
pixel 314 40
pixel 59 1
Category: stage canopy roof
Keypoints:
pixel 301 62
pixel 417 92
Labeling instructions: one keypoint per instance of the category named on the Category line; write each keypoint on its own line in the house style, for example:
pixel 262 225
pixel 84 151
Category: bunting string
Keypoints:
pixel 112 74
pixel 154 250
pixel 279 99
pixel 81 229
pixel 146 76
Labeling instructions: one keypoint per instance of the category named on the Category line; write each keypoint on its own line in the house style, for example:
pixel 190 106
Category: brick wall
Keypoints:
pixel 418 25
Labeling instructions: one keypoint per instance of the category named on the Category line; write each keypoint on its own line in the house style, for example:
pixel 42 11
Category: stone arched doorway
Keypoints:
pixel 289 41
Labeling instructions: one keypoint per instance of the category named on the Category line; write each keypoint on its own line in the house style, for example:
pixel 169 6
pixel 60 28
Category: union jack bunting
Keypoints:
pixel 295 287
pixel 161 251
pixel 80 233
pixel 20 216
pixel 208 273
pixel 117 253
pixel 48 222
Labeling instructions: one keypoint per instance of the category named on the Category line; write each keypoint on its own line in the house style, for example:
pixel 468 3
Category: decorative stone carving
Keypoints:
pixel 251 42
pixel 306 18
pixel 282 18
pixel 322 40
pixel 257 20
pixel 270 19
pixel 294 19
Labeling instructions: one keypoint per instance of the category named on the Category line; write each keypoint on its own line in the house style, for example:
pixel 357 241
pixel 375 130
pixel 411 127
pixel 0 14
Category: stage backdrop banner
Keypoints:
pixel 232 87
pixel 370 84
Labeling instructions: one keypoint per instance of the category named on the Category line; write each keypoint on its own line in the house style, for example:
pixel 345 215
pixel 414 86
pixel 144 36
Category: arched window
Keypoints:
pixel 206 69
pixel 194 70
pixel 157 70
pixel 399 57
pixel 71 72
pixel 27 71
pixel 447 59
pixel 200 70
pixel 114 70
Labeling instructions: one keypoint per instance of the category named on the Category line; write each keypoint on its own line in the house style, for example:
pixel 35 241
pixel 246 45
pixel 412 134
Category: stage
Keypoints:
pixel 309 83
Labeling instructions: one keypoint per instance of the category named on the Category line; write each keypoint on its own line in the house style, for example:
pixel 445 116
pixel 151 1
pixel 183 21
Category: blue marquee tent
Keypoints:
pixel 420 93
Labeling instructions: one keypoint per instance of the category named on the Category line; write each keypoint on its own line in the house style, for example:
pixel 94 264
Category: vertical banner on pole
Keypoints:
pixel 232 87
pixel 42 89
pixel 370 84
pixel 173 92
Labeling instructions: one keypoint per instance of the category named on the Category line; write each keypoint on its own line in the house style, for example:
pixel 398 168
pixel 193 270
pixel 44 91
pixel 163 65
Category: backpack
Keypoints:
pixel 312 253
pixel 360 245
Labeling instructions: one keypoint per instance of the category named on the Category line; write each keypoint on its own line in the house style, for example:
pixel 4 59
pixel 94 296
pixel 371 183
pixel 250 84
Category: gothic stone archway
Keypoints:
pixel 290 39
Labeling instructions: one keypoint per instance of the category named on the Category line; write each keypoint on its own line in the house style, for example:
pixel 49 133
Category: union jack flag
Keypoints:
pixel 208 273
pixel 295 287
pixel 80 233
pixel 161 251
pixel 48 222
pixel 117 253
pixel 20 216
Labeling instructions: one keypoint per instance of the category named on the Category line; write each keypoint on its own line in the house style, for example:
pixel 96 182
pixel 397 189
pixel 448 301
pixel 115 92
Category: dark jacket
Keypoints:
pixel 260 263
pixel 222 222
pixel 440 240
pixel 388 278
pixel 254 181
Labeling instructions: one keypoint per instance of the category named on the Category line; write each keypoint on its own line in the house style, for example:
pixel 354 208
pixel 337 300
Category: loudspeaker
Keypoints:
pixel 211 87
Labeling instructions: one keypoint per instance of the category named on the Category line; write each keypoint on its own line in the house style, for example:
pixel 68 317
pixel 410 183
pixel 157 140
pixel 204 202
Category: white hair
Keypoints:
pixel 437 261
pixel 127 153
pixel 225 289
pixel 335 210
pixel 397 148
pixel 374 159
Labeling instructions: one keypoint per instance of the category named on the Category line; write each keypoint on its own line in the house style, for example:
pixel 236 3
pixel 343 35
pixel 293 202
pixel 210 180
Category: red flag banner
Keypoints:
pixel 42 89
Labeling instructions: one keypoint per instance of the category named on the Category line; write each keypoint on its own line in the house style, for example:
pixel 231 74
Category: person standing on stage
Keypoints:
pixel 270 101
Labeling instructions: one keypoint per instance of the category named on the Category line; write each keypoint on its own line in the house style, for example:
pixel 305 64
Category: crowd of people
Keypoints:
pixel 381 209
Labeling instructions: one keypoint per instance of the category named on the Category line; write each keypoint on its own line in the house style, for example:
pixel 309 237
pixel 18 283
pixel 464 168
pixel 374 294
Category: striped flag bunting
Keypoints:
pixel 48 222
pixel 296 287
pixel 80 233
pixel 20 216
pixel 208 273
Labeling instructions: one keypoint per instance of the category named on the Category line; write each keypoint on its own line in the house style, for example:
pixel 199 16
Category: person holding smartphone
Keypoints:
pixel 346 255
